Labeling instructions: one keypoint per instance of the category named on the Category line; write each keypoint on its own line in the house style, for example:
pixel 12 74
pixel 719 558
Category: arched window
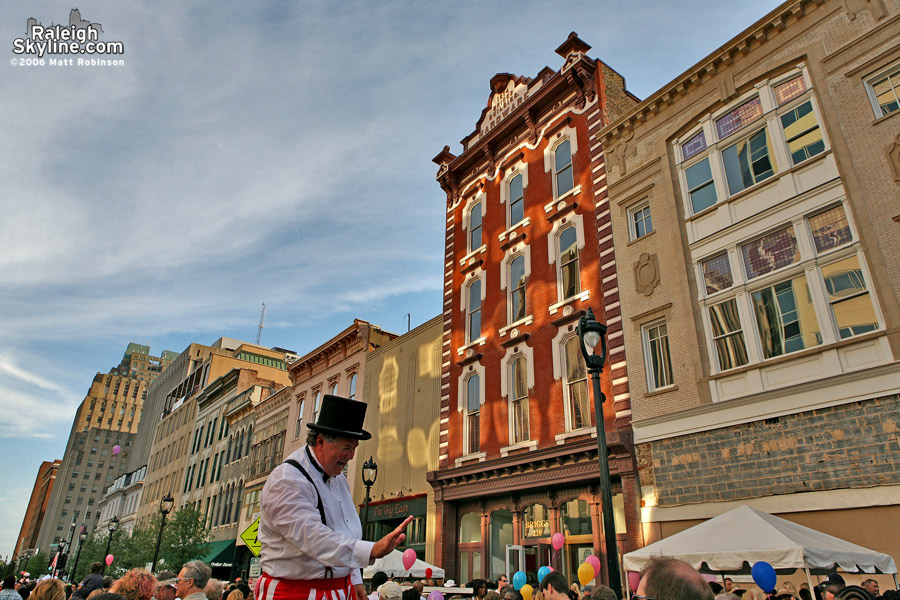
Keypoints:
pixel 519 400
pixel 316 404
pixel 516 200
pixel 517 310
pixel 569 270
pixel 474 311
pixel 352 393
pixel 562 164
pixel 576 392
pixel 575 518
pixel 475 227
pixel 473 414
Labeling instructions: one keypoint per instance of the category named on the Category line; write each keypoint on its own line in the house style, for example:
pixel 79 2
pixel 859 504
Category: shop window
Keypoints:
pixel 575 518
pixel 535 521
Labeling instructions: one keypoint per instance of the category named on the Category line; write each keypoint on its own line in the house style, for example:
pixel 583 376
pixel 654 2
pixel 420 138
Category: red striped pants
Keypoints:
pixel 269 588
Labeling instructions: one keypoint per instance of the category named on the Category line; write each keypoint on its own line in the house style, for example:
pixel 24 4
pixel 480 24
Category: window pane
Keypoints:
pixel 787 91
pixel 830 229
pixel 660 363
pixel 643 224
pixel 849 298
pixel 516 201
pixel 748 162
pixel 568 256
pixel 473 400
pixel 700 185
pixel 693 146
pixel 785 318
pixel 475 227
pixel 717 273
pixel 520 400
pixel 740 117
pixel 563 162
pixel 517 289
pixel 776 250
pixel 576 382
pixel 727 334
pixel 474 311
pixel 886 92
pixel 802 132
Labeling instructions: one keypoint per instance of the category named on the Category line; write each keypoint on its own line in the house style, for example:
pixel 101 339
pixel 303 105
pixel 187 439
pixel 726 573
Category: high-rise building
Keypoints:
pixel 37 506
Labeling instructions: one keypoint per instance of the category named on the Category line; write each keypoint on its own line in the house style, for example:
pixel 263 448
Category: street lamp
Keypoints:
pixel 82 535
pixel 165 507
pixel 592 334
pixel 369 475
pixel 111 526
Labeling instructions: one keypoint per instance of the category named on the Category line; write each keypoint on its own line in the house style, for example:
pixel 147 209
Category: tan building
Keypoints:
pixel 402 386
pixel 37 506
pixel 755 198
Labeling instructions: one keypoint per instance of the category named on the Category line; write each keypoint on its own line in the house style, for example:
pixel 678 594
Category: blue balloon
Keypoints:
pixel 519 579
pixel 764 576
pixel 542 572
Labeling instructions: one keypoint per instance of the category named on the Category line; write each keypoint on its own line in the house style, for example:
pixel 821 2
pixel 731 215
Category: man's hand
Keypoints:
pixel 360 591
pixel 385 545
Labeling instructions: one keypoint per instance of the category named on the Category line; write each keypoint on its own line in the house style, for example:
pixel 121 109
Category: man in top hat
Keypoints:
pixel 309 529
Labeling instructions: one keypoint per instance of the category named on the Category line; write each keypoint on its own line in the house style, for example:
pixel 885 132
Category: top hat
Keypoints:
pixel 341 417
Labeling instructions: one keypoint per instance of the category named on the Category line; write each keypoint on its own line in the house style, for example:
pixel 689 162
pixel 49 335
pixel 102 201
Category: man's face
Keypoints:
pixel 502 582
pixel 335 455
pixel 729 585
pixel 165 592
pixel 872 588
pixel 184 584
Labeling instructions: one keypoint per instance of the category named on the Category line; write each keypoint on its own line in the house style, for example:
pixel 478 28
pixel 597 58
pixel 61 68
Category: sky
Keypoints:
pixel 250 152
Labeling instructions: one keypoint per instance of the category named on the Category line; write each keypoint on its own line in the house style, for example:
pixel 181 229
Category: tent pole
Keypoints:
pixel 896 587
pixel 812 588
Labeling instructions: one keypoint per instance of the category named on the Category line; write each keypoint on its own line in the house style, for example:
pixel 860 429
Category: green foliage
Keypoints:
pixel 38 565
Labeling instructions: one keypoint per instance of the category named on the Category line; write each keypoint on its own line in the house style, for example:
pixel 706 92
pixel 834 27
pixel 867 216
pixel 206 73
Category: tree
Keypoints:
pixel 38 565
pixel 185 538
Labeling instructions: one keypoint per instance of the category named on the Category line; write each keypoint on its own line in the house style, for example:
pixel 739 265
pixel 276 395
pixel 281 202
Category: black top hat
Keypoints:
pixel 342 417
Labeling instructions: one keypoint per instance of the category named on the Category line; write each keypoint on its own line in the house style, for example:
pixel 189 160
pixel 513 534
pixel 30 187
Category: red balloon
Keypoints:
pixel 428 573
pixel 109 559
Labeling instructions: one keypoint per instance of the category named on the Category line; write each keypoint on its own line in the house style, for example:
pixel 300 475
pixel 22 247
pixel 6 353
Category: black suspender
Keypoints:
pixel 319 505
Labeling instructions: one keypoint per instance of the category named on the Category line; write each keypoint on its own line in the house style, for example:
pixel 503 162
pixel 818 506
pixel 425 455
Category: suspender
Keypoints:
pixel 319 505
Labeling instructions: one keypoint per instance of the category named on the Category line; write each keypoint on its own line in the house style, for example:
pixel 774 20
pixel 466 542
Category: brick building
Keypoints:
pixel 37 506
pixel 528 250
pixel 755 202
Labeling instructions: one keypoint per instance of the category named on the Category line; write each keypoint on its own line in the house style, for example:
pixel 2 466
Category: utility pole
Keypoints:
pixel 262 319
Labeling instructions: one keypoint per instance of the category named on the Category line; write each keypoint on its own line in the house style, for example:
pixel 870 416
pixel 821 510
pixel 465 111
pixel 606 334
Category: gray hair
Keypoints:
pixel 199 571
pixel 313 436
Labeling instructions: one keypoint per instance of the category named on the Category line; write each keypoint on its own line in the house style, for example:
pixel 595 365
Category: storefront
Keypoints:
pixel 386 515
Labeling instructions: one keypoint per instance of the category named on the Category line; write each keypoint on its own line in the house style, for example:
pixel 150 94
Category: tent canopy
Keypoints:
pixel 746 535
pixel 392 565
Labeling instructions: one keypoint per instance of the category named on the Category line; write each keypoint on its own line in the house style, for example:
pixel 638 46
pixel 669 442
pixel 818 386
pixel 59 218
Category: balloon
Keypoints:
pixel 409 558
pixel 558 540
pixel 109 559
pixel 586 573
pixel 428 573
pixel 764 576
pixel 116 449
pixel 526 592
pixel 519 579
pixel 634 579
pixel 436 595
pixel 543 572
pixel 594 561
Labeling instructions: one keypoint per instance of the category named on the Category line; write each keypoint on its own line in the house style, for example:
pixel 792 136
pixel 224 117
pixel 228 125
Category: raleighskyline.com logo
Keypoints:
pixel 79 37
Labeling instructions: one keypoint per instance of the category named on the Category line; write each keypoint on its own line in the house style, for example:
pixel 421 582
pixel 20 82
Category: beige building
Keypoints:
pixel 402 388
pixel 755 198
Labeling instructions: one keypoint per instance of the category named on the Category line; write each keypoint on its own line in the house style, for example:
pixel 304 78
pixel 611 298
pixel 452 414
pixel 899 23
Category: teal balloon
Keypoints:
pixel 764 576
pixel 542 572
pixel 519 579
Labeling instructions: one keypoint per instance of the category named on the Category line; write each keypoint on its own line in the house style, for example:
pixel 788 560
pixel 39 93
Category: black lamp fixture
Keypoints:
pixel 369 475
pixel 82 535
pixel 165 507
pixel 112 526
pixel 592 334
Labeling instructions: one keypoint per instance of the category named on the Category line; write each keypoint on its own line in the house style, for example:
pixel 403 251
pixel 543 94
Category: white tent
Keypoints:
pixel 392 565
pixel 746 535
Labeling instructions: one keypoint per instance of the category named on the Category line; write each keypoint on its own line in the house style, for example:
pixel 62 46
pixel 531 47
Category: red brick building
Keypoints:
pixel 37 506
pixel 528 250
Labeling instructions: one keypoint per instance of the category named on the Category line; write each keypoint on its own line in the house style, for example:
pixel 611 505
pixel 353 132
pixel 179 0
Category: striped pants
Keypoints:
pixel 269 588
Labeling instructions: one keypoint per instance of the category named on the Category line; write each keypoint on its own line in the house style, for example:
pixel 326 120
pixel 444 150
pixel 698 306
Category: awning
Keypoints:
pixel 220 554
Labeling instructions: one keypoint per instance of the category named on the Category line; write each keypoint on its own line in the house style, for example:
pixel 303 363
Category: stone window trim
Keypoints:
pixel 892 72
pixel 512 352
pixel 470 370
pixel 479 197
pixel 667 375
pixel 477 274
pixel 634 210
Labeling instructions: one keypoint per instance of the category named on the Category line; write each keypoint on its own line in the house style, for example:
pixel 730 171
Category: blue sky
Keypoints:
pixel 253 152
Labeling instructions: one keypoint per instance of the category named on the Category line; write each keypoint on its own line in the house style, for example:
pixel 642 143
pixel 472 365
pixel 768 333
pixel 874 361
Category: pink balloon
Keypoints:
pixel 409 558
pixel 116 449
pixel 109 559
pixel 595 562
pixel 634 579
pixel 558 540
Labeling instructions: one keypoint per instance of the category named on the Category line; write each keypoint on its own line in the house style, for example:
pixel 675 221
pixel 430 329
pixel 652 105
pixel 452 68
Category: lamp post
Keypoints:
pixel 111 526
pixel 369 475
pixel 82 535
pixel 592 334
pixel 165 507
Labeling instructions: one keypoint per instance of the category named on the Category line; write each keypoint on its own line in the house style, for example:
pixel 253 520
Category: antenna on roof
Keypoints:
pixel 262 319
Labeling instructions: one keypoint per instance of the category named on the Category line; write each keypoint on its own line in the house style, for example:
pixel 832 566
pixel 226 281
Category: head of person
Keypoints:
pixel 832 586
pixel 378 579
pixel 870 585
pixel 510 593
pixel 9 582
pixel 244 588
pixel 492 595
pixel 96 567
pixel 136 584
pixel 337 432
pixel 165 585
pixel 214 589
pixel 411 594
pixel 667 578
pixel 101 595
pixel 479 588
pixel 419 586
pixel 389 591
pixel 502 582
pixel 107 582
pixel 729 584
pixel 554 586
pixel 49 589
pixel 601 592
pixel 235 595
pixel 192 578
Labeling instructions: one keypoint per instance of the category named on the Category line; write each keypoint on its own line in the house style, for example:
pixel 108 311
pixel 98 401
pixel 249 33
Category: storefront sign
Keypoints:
pixel 537 528
pixel 386 511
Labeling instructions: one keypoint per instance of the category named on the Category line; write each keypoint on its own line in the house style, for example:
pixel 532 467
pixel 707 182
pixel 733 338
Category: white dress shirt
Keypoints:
pixel 295 543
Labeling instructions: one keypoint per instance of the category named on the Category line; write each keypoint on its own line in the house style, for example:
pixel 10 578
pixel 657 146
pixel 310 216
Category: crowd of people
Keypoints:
pixel 193 582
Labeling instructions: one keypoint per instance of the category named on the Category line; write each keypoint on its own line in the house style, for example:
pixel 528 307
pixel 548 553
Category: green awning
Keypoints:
pixel 220 554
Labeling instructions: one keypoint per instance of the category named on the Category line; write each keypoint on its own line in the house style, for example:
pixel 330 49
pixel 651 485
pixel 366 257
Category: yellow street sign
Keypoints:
pixel 249 537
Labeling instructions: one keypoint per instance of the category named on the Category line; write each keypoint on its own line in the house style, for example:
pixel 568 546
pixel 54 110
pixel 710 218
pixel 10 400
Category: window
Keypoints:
pixel 316 403
pixel 517 310
pixel 801 130
pixel 473 317
pixel 473 414
pixel 569 272
pixel 848 297
pixel 785 317
pixel 656 356
pixel 516 200
pixel 576 390
pixel 717 273
pixel 701 187
pixel 519 401
pixel 830 229
pixel 352 393
pixel 727 335
pixel 334 389
pixel 884 91
pixel 639 221
pixel 562 164
pixel 773 251
pixel 749 161
pixel 475 240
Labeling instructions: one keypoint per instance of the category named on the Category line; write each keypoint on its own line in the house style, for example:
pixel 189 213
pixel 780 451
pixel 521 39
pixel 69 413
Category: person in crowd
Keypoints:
pixel 502 581
pixel 870 585
pixel 136 584
pixel 510 593
pixel 411 594
pixel 192 580
pixel 25 590
pixel 419 586
pixel 49 589
pixel 9 589
pixel 602 592
pixel 214 589
pixel 716 588
pixel 107 582
pixel 729 584
pixel 102 595
pixel 92 582
pixel 804 593
pixel 492 595
pixel 165 586
pixel 389 591
pixel 310 533
pixel 479 589
pixel 378 579
pixel 575 588
pixel 245 589
pixel 668 578
pixel 235 595
pixel 554 586
pixel 832 586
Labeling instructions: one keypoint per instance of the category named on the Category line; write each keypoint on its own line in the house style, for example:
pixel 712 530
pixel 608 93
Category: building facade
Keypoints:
pixel 528 251
pixel 756 200
pixel 37 506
